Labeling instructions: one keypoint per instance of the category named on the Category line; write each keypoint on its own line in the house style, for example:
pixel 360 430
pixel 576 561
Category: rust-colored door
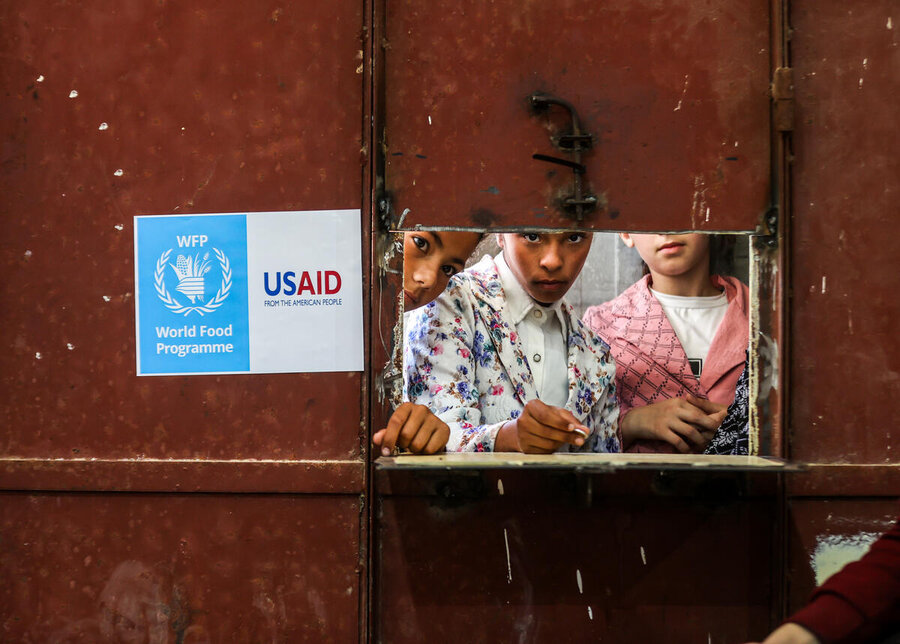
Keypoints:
pixel 208 508
pixel 844 344
pixel 675 95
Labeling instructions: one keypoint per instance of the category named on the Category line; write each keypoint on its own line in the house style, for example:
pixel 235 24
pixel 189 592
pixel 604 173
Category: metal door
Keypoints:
pixel 676 98
pixel 674 94
pixel 843 337
pixel 208 508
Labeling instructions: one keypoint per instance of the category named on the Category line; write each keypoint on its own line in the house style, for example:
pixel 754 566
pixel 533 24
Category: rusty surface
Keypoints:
pixel 845 346
pixel 846 480
pixel 638 564
pixel 185 475
pixel 676 95
pixel 178 568
pixel 827 533
pixel 208 107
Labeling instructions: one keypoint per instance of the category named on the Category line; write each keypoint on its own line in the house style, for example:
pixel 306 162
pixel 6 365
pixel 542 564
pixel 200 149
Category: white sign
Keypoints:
pixel 263 292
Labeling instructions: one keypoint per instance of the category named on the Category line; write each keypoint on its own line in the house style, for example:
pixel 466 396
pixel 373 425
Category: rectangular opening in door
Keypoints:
pixel 675 314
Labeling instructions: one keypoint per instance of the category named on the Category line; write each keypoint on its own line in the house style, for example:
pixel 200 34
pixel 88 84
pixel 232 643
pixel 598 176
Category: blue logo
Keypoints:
pixel 191 276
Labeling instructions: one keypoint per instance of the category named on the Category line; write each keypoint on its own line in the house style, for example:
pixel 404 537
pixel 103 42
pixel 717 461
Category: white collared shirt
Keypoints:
pixel 542 332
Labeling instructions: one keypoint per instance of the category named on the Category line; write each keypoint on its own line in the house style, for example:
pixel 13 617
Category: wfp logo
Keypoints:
pixel 190 274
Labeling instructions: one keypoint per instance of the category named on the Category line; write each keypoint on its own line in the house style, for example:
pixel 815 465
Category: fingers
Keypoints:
pixel 390 434
pixel 415 428
pixel 705 405
pixel 687 412
pixel 554 423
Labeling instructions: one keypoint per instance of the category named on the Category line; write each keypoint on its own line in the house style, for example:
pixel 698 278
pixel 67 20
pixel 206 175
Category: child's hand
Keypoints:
pixel 688 424
pixel 541 429
pixel 791 634
pixel 415 428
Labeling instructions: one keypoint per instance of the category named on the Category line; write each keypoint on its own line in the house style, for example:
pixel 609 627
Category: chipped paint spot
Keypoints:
pixel 850 327
pixel 890 24
pixel 119 226
pixel 500 486
pixel 27 254
pixel 698 201
pixel 106 298
pixel 643 555
pixel 402 217
pixel 683 92
pixel 359 70
pixel 73 94
pixel 103 126
pixel 590 614
pixel 834 551
pixel 824 284
pixel 707 215
pixel 578 581
pixel 37 355
pixel 735 144
pixel 508 563
pixel 119 172
pixel 70 346
pixel 860 83
pixel 865 63
pixel 40 79
pixel 429 119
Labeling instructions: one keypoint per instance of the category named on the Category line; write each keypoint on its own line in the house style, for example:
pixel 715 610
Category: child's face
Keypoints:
pixel 546 264
pixel 429 259
pixel 671 255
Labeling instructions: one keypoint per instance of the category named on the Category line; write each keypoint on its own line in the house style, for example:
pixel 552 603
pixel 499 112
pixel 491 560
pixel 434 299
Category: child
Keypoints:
pixel 679 337
pixel 503 360
pixel 429 260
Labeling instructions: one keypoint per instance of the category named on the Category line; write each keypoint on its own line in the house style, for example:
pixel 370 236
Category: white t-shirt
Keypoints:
pixel 695 321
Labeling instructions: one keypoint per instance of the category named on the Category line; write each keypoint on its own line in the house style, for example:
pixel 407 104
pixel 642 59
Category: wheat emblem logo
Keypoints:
pixel 191 272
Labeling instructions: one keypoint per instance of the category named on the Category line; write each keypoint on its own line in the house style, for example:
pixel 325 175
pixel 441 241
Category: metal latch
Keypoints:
pixel 579 203
pixel 783 97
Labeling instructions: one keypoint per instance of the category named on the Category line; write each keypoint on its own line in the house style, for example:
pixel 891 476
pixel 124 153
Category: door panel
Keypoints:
pixel 178 568
pixel 524 554
pixel 674 93
pixel 209 107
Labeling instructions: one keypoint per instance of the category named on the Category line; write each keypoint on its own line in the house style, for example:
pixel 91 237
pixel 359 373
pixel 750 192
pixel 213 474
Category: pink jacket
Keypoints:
pixel 650 362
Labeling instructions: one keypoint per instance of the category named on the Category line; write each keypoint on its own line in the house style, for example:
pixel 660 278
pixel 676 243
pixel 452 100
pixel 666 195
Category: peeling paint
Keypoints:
pixel 70 346
pixel 833 552
pixel 40 79
pixel 890 24
pixel 103 126
pixel 38 355
pixel 429 119
pixel 683 92
pixel 500 486
pixel 590 614
pixel 73 94
pixel 27 254
pixel 643 556
pixel 508 563
pixel 106 298
pixel 119 227
pixel 824 284
pixel 578 581
pixel 119 172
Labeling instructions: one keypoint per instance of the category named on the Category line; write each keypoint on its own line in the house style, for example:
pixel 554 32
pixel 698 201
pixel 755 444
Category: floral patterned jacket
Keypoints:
pixel 464 360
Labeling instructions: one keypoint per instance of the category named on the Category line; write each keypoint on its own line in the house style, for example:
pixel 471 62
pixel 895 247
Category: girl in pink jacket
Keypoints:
pixel 679 337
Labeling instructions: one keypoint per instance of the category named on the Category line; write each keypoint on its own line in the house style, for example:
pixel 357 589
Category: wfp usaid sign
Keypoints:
pixel 264 292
